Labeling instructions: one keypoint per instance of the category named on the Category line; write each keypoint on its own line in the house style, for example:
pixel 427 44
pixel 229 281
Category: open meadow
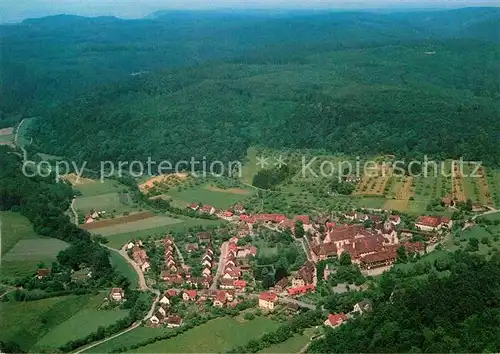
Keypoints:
pixel 132 226
pixel 206 194
pixel 22 249
pixel 112 203
pixel 124 268
pixel 215 336
pixel 130 338
pixel 119 239
pixel 82 323
pixel 292 345
pixel 48 323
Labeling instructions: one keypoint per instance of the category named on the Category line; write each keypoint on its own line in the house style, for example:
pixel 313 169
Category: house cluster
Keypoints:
pixel 93 216
pixel 207 262
pixel 370 248
pixel 172 273
pixel 278 221
pixel 162 316
pixel 227 214
pixel 230 279
pixel 337 319
pixel 176 274
pixel 302 282
pixel 139 255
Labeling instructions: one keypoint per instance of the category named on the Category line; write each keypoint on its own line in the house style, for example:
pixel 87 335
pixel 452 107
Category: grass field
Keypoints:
pixel 113 203
pixel 292 345
pixel 124 268
pixel 135 336
pixel 8 138
pixel 119 239
pixel 22 248
pixel 81 324
pixel 250 168
pixel 53 321
pixel 145 224
pixel 399 194
pixel 90 188
pixel 206 195
pixel 215 336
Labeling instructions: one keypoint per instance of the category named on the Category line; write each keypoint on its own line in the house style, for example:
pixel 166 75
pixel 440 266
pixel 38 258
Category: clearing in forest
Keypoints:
pixel 22 249
pixel 239 191
pixel 171 179
pixel 6 136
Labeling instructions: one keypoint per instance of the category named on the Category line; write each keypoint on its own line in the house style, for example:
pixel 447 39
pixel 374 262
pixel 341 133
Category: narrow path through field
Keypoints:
pixel 75 214
pixel 179 255
pixel 492 211
pixel 16 140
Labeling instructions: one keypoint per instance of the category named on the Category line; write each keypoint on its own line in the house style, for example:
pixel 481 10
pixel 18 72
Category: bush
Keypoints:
pixel 249 316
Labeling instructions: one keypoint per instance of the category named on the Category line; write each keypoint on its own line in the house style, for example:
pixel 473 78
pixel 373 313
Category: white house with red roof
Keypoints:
pixel 267 300
pixel 433 223
pixel 189 295
pixel 335 320
pixel 207 209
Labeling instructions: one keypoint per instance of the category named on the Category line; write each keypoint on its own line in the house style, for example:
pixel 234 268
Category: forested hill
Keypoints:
pixel 456 311
pixel 391 98
pixel 49 60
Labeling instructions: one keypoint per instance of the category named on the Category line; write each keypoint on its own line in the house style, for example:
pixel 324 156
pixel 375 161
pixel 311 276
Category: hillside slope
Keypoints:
pixel 389 98
pixel 49 60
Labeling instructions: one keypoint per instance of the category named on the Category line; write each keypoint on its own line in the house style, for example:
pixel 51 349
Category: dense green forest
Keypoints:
pixel 456 310
pixel 382 99
pixel 46 61
pixel 213 84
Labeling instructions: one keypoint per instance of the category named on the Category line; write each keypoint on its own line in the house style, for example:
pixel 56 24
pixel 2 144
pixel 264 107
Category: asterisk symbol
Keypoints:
pixel 280 162
pixel 262 161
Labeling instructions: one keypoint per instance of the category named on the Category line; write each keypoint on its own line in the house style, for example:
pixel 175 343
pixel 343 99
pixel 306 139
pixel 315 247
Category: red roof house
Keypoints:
pixel 300 290
pixel 189 295
pixel 335 320
pixel 240 284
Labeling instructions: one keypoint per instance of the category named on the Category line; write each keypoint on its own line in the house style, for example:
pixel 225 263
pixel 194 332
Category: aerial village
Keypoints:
pixel 219 273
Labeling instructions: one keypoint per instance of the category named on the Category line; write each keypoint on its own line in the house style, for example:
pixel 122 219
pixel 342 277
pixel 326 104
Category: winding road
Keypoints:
pixel 142 286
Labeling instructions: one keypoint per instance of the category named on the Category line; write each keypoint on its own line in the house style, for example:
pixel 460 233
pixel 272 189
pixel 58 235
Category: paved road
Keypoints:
pixel 289 300
pixel 142 286
pixel 220 267
pixel 131 328
pixel 123 253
